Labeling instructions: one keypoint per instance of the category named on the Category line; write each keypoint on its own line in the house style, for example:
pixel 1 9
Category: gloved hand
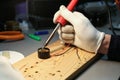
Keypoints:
pixel 80 32
pixel 7 72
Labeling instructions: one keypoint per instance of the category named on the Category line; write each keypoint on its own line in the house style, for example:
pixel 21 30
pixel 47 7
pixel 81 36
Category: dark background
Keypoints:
pixel 40 12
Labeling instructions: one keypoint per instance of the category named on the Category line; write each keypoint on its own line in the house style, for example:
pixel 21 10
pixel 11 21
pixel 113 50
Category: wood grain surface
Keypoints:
pixel 63 63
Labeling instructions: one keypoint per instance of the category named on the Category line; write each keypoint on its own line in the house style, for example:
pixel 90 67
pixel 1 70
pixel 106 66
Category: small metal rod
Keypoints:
pixel 51 35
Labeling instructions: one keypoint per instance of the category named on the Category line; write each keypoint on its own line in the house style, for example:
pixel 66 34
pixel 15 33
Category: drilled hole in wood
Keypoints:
pixel 31 66
pixel 29 76
pixel 58 71
pixel 37 62
pixel 25 71
pixel 36 71
pixel 52 74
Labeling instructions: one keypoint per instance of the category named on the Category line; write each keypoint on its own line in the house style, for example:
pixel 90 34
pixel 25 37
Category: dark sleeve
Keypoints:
pixel 114 48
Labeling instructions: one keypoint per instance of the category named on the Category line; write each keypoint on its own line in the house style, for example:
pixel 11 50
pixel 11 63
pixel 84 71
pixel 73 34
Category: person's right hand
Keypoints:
pixel 80 32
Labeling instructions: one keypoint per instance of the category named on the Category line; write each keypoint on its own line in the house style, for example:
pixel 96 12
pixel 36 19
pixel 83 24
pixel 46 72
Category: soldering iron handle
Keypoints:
pixel 70 7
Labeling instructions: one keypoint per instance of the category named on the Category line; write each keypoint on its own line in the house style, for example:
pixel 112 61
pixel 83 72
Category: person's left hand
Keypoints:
pixel 7 72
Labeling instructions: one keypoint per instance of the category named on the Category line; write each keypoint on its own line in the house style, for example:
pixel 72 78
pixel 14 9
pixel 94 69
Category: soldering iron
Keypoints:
pixel 61 21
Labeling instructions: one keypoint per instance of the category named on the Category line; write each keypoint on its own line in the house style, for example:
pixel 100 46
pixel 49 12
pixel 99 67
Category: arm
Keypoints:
pixel 111 46
pixel 105 44
pixel 114 48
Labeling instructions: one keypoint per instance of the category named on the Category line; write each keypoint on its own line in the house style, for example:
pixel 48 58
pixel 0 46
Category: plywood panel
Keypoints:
pixel 63 63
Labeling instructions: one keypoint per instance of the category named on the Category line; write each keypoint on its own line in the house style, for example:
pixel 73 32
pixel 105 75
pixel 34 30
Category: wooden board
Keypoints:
pixel 66 62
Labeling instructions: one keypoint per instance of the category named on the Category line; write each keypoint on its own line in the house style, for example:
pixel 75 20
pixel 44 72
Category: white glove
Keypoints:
pixel 80 32
pixel 7 72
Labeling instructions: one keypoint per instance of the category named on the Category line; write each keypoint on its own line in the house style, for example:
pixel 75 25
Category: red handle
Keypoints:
pixel 70 7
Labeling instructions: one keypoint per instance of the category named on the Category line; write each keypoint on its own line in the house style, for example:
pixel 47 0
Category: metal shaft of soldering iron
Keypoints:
pixel 51 35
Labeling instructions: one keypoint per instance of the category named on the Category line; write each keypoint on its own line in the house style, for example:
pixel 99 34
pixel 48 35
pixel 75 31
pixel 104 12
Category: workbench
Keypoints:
pixel 100 70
